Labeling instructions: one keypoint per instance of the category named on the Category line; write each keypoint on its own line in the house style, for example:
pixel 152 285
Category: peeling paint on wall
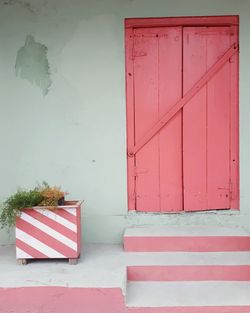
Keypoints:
pixel 24 4
pixel 32 64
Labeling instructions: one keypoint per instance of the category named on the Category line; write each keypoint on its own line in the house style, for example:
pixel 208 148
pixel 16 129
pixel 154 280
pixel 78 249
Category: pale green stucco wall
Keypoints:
pixel 75 136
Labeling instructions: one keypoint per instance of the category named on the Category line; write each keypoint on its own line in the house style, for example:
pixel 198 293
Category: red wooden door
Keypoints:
pixel 182 149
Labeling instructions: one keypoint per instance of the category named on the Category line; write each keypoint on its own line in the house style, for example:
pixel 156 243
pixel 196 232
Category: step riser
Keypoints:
pixel 188 273
pixel 187 244
pixel 208 309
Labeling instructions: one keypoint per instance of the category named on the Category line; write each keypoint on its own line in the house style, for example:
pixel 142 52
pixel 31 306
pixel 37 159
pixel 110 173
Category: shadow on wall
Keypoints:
pixel 32 64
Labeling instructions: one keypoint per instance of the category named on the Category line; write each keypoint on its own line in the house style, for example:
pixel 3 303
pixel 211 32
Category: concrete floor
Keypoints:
pixel 100 265
pixel 104 266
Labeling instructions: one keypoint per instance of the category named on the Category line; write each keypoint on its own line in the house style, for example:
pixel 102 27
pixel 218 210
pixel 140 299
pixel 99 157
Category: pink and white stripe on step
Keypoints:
pixel 44 233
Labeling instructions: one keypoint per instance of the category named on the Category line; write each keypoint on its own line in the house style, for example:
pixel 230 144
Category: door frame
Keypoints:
pixel 130 25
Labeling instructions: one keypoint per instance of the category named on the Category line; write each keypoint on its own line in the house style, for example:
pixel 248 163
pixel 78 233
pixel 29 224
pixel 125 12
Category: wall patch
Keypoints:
pixel 32 64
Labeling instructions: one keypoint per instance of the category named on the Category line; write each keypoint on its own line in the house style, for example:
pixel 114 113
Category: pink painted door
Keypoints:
pixel 186 160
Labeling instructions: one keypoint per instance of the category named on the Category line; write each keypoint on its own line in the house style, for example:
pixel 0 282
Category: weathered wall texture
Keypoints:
pixel 32 64
pixel 62 108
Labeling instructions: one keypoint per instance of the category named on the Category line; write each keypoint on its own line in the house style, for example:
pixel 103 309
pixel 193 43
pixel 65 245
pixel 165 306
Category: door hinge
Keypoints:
pixel 135 171
pixel 230 189
pixel 141 171
pixel 139 53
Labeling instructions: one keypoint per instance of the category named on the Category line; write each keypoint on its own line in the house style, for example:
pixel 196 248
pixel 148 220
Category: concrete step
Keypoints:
pixel 189 238
pixel 189 296
pixel 188 266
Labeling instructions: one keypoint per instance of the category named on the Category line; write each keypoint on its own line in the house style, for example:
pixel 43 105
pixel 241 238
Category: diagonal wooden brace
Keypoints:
pixel 184 100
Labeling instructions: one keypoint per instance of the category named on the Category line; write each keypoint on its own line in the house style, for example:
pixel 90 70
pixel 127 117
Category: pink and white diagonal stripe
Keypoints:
pixel 44 233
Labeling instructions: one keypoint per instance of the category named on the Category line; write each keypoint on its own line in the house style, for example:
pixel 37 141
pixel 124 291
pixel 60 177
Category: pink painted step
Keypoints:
pixel 188 266
pixel 190 239
pixel 189 273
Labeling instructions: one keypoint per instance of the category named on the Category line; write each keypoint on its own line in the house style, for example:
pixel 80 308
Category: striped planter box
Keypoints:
pixel 49 233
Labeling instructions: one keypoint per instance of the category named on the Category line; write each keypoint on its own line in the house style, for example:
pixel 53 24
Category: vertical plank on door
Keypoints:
pixel 145 56
pixel 206 121
pixel 130 116
pixel 234 130
pixel 194 122
pixel 170 137
pixel 218 121
pixel 158 78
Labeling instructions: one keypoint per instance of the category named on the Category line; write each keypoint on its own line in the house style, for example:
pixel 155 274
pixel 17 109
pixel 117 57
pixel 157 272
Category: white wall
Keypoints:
pixel 76 135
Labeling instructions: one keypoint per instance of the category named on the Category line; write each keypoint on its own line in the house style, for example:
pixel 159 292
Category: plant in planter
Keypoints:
pixel 13 205
pixel 47 226
pixel 51 196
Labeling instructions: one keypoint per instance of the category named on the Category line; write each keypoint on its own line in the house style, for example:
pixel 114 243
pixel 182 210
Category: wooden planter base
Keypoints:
pixel 22 261
pixel 72 261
